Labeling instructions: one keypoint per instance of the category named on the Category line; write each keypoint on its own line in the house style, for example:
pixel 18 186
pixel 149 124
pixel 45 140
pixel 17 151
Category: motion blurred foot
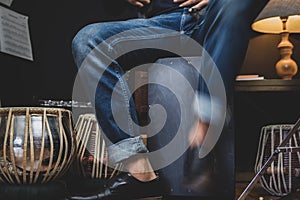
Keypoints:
pixel 197 133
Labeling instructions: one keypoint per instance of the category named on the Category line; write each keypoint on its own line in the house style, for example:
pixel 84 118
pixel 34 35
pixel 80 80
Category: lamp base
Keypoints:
pixel 286 67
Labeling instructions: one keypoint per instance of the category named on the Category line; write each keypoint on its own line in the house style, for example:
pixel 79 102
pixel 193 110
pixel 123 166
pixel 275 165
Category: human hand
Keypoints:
pixel 139 3
pixel 197 4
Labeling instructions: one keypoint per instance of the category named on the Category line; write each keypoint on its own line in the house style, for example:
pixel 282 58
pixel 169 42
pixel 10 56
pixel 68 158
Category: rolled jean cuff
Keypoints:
pixel 125 149
pixel 203 105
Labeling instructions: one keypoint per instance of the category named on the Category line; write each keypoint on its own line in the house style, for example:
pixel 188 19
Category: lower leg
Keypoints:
pixel 198 133
pixel 140 168
pixel 224 35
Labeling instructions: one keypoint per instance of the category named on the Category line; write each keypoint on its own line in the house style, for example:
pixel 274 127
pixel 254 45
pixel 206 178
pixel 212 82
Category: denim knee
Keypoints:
pixel 85 41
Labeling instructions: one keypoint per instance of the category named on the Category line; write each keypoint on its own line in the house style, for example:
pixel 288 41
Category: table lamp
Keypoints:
pixel 281 17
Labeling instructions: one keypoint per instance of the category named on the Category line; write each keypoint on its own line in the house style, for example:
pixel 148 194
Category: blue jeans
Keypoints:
pixel 223 31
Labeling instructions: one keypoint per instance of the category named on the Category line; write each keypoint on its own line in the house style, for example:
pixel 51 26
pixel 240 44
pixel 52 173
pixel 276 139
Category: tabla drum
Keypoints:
pixel 92 159
pixel 36 144
pixel 283 175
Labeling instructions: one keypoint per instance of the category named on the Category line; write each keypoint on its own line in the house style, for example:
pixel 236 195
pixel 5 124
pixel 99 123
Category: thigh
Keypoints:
pixel 147 40
pixel 119 37
pixel 225 34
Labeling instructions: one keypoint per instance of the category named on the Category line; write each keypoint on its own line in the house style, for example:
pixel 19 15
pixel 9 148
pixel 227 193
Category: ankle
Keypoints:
pixel 144 177
pixel 140 168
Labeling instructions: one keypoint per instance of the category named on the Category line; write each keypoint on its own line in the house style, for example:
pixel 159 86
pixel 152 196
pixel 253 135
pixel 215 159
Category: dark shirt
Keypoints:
pixel 157 7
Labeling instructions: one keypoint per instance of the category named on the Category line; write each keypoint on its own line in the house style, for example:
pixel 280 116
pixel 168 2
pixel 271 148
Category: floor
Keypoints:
pixel 242 181
pixel 258 192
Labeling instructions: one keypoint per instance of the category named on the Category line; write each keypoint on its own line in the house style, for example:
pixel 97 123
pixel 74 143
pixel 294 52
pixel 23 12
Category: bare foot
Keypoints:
pixel 140 168
pixel 198 133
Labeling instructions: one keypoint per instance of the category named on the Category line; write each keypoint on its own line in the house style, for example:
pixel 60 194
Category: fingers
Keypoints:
pixel 135 3
pixel 178 1
pixel 197 4
pixel 200 5
pixel 144 1
pixel 138 3
pixel 186 2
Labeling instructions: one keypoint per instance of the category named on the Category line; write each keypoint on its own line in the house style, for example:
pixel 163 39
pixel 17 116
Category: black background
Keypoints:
pixel 52 24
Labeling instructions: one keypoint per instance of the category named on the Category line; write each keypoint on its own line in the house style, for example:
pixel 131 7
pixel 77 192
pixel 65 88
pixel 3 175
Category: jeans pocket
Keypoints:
pixel 190 21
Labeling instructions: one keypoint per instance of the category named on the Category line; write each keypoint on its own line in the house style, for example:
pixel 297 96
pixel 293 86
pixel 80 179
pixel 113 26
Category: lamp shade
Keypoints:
pixel 269 19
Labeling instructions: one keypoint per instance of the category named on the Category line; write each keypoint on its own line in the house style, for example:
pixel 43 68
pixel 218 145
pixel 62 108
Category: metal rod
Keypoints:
pixel 251 185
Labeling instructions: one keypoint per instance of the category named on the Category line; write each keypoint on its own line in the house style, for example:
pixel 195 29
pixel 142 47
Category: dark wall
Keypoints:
pixel 263 54
pixel 52 26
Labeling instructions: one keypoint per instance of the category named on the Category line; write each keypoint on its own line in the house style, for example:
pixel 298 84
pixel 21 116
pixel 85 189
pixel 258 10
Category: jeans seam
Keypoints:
pixel 183 16
pixel 126 99
pixel 137 38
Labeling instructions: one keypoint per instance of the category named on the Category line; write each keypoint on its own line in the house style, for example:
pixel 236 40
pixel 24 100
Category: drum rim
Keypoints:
pixel 35 110
pixel 278 126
